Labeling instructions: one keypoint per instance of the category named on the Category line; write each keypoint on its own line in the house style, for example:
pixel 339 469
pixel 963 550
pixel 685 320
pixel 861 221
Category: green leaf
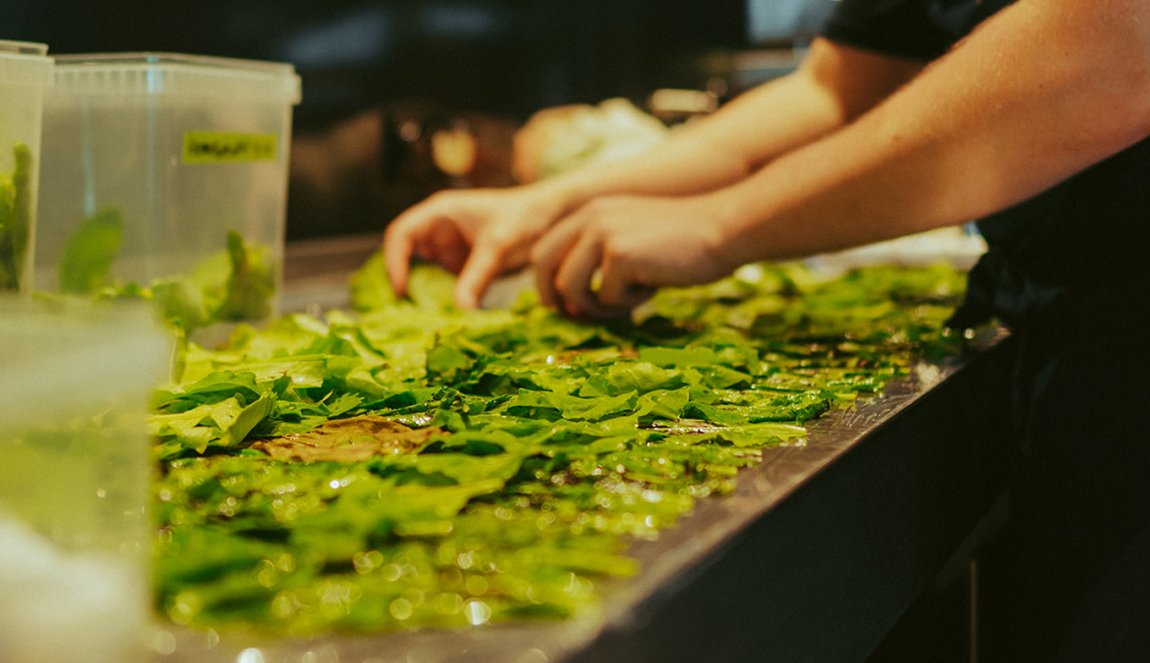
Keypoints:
pixel 211 388
pixel 641 377
pixel 225 423
pixel 15 217
pixel 678 357
pixel 548 444
pixel 91 251
pixel 428 286
pixel 180 303
pixel 446 363
pixel 251 284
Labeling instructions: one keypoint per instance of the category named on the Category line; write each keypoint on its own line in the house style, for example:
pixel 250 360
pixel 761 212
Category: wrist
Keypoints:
pixel 732 241
pixel 559 195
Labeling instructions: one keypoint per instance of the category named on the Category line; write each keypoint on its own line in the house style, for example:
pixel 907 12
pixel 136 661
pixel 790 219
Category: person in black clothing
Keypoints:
pixel 906 115
pixel 1066 272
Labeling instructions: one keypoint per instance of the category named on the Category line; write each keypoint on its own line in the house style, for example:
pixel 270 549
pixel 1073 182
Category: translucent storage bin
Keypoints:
pixel 167 174
pixel 75 459
pixel 25 70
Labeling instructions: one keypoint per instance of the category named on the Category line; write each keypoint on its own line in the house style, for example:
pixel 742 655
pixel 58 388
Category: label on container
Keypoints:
pixel 224 147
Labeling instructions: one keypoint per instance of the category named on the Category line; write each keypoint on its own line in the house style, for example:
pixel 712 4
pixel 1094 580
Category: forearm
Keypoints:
pixel 756 127
pixel 1042 90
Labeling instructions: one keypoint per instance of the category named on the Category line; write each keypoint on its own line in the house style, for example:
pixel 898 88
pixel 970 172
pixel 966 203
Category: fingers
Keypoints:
pixel 486 261
pixel 567 260
pixel 428 231
pixel 548 257
pixel 617 290
pixel 567 263
pixel 444 245
pixel 398 243
pixel 573 279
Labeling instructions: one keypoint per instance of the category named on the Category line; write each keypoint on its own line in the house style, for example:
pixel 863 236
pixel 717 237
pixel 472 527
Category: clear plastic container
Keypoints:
pixel 25 71
pixel 75 467
pixel 157 168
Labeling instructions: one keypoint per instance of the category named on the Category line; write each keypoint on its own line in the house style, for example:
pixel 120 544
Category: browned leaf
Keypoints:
pixel 347 441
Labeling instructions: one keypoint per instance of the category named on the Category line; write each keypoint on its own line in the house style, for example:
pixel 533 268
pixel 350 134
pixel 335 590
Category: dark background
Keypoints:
pixel 373 70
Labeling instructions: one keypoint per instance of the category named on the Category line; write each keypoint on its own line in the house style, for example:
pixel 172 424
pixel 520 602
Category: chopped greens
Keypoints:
pixel 409 464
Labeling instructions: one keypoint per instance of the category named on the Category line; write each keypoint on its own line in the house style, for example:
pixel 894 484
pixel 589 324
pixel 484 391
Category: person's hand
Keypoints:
pixel 477 233
pixel 631 245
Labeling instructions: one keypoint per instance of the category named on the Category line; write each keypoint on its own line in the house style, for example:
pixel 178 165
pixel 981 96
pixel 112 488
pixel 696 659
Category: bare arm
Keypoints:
pixel 482 233
pixel 834 85
pixel 1044 89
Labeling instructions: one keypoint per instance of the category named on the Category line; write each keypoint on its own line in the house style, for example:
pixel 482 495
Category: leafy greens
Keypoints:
pixel 237 284
pixel 409 464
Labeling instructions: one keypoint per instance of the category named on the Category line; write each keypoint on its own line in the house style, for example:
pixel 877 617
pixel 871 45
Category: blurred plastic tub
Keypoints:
pixel 75 469
pixel 25 71
pixel 158 168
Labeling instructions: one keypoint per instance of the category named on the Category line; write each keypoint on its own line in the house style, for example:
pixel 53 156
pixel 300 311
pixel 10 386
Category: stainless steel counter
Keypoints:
pixel 815 556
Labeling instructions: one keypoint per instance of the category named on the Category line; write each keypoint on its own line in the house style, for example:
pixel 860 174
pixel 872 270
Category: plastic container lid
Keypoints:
pixel 176 74
pixel 25 63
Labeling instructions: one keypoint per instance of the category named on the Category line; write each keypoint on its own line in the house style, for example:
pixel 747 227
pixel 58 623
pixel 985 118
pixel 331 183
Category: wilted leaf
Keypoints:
pixel 348 440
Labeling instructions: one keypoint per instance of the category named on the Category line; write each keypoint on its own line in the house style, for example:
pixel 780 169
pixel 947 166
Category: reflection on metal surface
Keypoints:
pixel 758 490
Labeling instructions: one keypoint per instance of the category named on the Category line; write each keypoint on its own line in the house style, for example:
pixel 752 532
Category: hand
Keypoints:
pixel 477 233
pixel 633 245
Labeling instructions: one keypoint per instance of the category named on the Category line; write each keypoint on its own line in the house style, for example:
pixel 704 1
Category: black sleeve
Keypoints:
pixel 902 28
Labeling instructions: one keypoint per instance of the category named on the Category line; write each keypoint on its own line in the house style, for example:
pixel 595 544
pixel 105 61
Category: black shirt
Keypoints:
pixel 1068 271
pixel 919 29
pixel 1067 258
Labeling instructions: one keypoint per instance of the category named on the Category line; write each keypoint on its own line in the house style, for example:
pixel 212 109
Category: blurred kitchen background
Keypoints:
pixel 381 78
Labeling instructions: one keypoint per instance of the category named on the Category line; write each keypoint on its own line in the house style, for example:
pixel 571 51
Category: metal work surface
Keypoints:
pixel 814 556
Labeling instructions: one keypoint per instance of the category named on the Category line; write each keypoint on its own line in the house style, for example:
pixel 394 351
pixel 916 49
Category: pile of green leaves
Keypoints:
pixel 15 217
pixel 237 284
pixel 408 464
